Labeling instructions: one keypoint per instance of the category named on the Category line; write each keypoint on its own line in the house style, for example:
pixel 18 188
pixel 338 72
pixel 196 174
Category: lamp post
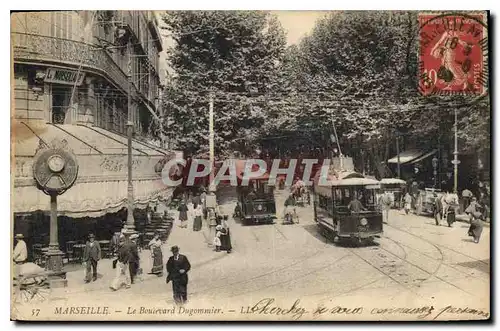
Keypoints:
pixel 455 161
pixel 435 165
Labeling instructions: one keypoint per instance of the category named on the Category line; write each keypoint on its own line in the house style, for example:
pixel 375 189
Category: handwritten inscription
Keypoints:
pixel 462 311
pixel 267 306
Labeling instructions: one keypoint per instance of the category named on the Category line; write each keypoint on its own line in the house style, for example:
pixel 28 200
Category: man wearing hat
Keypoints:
pixel 177 267
pixel 133 263
pixel 91 255
pixel 20 254
pixel 123 269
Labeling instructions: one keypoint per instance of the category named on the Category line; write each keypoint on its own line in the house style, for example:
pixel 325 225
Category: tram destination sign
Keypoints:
pixel 60 76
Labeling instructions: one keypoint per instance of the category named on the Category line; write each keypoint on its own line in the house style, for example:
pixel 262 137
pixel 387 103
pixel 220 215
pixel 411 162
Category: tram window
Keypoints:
pixel 347 193
pixel 323 202
pixel 330 205
pixel 370 197
pixel 338 195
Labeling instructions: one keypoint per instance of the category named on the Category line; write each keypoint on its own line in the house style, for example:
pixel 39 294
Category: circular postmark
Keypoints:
pixel 453 55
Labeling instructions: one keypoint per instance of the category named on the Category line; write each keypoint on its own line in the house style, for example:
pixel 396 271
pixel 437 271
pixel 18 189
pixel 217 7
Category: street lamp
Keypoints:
pixel 435 165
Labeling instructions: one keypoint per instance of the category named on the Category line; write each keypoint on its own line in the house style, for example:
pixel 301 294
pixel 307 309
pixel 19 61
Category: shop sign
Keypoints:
pixel 60 76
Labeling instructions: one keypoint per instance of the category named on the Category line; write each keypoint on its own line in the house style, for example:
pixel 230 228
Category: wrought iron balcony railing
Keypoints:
pixel 38 48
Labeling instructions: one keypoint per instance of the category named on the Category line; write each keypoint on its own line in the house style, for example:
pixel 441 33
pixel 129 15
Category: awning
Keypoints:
pixel 91 199
pixel 101 186
pixel 426 155
pixel 406 156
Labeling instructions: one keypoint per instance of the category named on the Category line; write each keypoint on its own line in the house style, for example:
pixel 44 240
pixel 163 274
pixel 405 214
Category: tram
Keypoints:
pixel 256 203
pixel 333 210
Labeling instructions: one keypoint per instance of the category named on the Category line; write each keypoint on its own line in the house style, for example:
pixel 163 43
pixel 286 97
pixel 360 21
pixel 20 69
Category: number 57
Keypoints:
pixel 35 312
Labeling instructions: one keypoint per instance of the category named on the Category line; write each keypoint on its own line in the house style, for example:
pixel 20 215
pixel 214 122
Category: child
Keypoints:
pixel 217 242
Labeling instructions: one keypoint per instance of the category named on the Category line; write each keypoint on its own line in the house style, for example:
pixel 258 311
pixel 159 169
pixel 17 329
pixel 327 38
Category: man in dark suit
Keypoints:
pixel 91 255
pixel 133 262
pixel 177 267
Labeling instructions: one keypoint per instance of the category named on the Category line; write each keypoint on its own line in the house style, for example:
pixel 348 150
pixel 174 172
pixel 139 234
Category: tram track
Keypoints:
pixel 433 258
pixel 436 245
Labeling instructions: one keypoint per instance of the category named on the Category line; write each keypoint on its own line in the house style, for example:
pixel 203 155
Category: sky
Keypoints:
pixel 298 23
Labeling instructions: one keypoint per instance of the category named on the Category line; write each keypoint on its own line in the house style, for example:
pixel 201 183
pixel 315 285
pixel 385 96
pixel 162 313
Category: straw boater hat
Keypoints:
pixel 134 236
pixel 19 236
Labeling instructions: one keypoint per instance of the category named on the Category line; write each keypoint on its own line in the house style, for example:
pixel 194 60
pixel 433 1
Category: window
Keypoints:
pixel 61 25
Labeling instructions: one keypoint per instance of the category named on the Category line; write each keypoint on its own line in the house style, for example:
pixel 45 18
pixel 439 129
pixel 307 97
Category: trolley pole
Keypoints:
pixel 130 226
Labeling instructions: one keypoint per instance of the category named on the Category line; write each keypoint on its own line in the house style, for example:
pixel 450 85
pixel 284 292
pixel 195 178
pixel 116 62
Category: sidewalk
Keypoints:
pixel 190 243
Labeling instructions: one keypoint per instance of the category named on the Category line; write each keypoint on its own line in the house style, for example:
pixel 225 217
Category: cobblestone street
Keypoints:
pixel 414 262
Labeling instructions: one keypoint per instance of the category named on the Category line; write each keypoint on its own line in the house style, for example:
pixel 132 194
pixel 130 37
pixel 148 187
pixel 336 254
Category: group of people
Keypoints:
pixel 201 211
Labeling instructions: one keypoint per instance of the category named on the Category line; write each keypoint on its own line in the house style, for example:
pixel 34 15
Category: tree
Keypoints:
pixel 231 55
pixel 357 70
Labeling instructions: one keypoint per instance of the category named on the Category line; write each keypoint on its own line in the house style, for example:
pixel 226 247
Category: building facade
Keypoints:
pixel 73 67
pixel 75 74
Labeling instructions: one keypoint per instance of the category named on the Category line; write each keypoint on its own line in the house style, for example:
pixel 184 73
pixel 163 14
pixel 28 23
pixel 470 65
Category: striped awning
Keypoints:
pixel 101 185
pixel 91 199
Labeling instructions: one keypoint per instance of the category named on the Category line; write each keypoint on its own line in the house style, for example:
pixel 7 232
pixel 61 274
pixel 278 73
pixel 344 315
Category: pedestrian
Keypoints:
pixel 203 198
pixel 217 241
pixel 407 200
pixel 225 236
pixel 475 219
pixel 133 263
pixel 177 267
pixel 485 203
pixel 114 242
pixel 386 204
pixel 196 200
pixel 91 255
pixel 20 254
pixel 466 198
pixel 156 255
pixel 438 209
pixel 183 214
pixel 122 270
pixel 197 224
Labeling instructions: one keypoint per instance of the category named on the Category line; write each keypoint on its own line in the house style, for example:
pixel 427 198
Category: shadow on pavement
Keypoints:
pixel 481 265
pixel 315 231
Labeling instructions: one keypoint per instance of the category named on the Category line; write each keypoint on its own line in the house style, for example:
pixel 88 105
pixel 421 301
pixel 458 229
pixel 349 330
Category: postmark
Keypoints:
pixel 453 54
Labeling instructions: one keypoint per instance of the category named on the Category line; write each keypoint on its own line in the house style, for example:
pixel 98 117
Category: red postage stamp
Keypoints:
pixel 453 54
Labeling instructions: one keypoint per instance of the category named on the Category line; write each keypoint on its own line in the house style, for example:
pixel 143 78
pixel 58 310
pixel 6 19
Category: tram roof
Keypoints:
pixel 392 181
pixel 344 178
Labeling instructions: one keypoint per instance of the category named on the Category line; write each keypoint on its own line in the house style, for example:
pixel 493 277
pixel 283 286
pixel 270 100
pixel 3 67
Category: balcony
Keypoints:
pixel 38 48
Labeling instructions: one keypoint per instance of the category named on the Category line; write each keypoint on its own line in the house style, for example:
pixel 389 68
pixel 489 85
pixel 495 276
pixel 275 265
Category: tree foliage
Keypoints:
pixel 356 70
pixel 231 55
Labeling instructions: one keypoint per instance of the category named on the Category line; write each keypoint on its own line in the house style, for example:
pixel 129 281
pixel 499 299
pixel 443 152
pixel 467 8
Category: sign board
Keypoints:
pixel 60 76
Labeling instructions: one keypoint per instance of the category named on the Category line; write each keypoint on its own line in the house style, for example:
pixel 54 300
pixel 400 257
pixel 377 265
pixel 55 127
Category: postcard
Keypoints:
pixel 250 166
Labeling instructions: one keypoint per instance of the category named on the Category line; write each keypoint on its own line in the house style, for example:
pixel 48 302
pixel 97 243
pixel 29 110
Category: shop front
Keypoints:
pixel 97 201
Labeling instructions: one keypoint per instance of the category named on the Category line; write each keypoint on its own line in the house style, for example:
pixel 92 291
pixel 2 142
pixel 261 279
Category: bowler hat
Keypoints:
pixel 174 248
pixel 19 236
